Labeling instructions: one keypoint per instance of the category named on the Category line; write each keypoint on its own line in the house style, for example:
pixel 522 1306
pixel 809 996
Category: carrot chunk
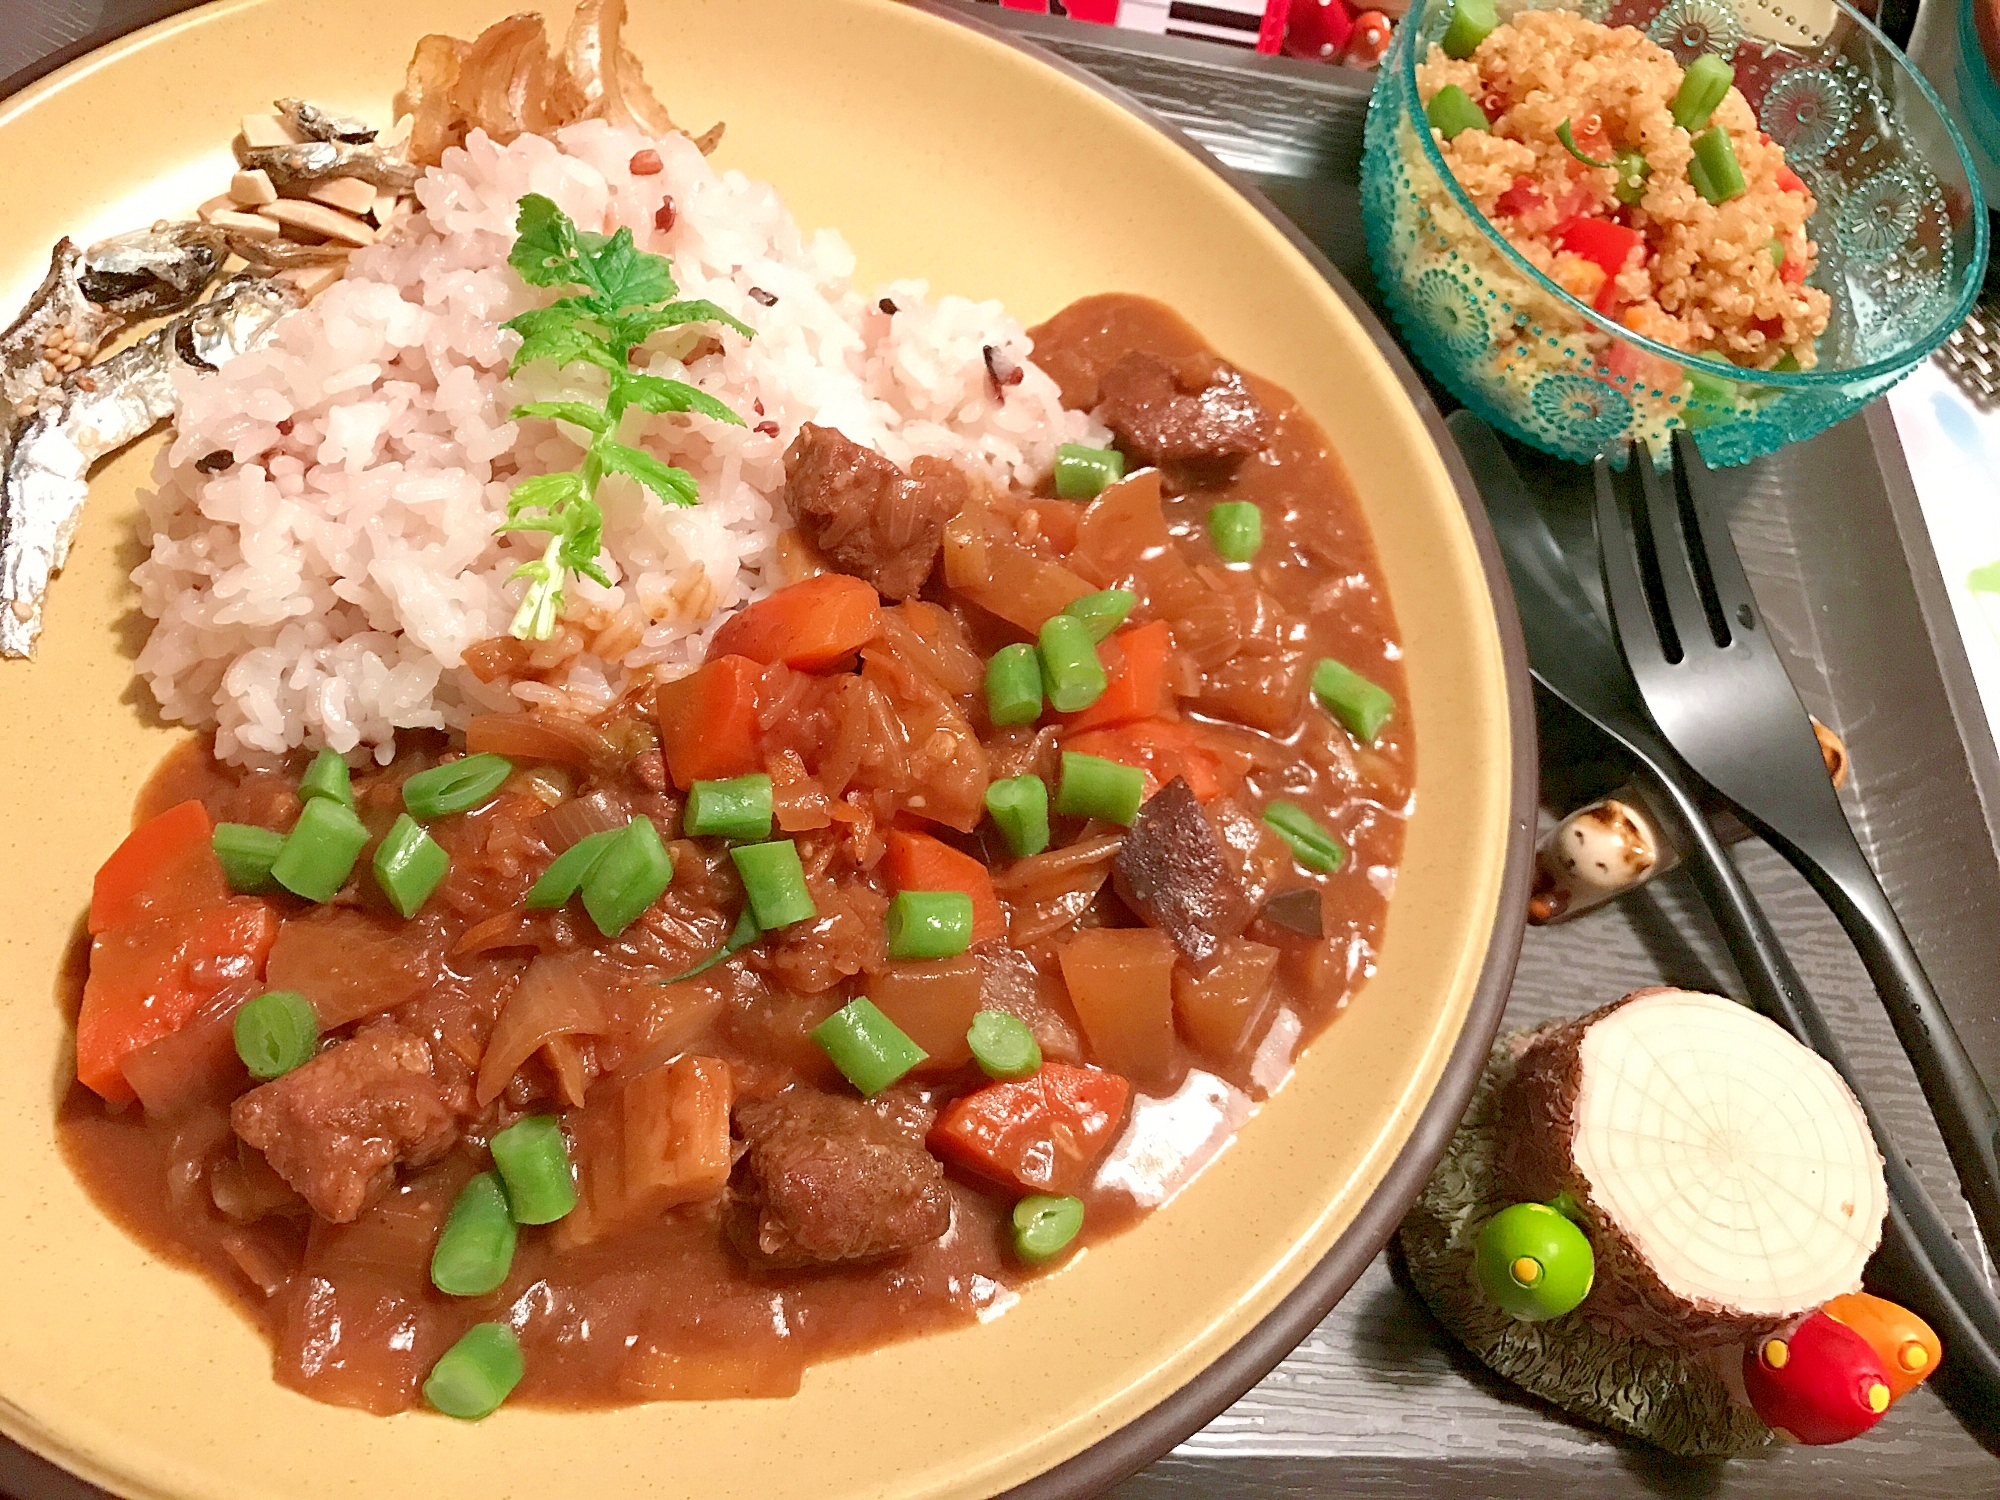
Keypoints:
pixel 148 979
pixel 918 862
pixel 1137 686
pixel 166 865
pixel 708 721
pixel 808 625
pixel 1043 1133
pixel 1162 748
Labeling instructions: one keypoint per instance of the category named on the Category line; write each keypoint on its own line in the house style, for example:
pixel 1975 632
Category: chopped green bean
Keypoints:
pixel 775 883
pixel 247 853
pixel 456 786
pixel 1633 169
pixel 1472 21
pixel 276 1032
pixel 409 865
pixel 1093 787
pixel 1044 1227
pixel 475 1249
pixel 1704 85
pixel 533 1160
pixel 739 808
pixel 1713 389
pixel 1353 699
pixel 1003 1045
pixel 1566 138
pixel 1072 674
pixel 1103 611
pixel 1451 112
pixel 1311 845
pixel 1019 807
pixel 1014 685
pixel 1714 171
pixel 328 776
pixel 1236 527
pixel 1082 473
pixel 320 851
pixel 630 876
pixel 477 1373
pixel 565 875
pixel 929 924
pixel 870 1050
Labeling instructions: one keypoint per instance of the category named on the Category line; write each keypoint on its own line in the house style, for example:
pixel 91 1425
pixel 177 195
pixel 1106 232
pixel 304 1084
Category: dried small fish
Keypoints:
pixel 312 162
pixel 285 255
pixel 95 413
pixel 315 124
pixel 57 333
pixel 152 272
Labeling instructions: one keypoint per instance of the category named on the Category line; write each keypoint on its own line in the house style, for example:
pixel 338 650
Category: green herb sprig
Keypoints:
pixel 627 296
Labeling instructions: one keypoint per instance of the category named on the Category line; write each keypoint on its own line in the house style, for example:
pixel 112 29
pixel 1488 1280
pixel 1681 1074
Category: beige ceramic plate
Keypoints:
pixel 940 152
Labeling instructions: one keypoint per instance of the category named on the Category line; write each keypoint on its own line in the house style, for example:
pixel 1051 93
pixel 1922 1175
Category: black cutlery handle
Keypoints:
pixel 1921 1263
pixel 1967 1117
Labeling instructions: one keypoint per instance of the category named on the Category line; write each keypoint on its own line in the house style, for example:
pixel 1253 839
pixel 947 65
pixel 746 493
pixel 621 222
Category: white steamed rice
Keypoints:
pixel 324 589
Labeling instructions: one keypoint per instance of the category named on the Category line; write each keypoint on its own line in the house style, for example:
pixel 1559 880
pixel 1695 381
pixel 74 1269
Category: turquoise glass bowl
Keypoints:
pixel 1900 225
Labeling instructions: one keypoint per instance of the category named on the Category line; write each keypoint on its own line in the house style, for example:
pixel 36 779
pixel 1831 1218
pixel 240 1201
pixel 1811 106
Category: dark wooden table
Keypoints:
pixel 1378 1402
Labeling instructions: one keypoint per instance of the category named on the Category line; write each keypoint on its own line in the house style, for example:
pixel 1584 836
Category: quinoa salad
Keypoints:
pixel 1642 188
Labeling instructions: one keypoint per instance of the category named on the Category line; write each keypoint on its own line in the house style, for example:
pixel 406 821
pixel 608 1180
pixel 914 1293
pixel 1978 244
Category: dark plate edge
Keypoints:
pixel 1202 1399
pixel 1205 1397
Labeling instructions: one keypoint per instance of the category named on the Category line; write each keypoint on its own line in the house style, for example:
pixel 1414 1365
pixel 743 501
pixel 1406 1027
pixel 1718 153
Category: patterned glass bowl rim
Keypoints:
pixel 1804 380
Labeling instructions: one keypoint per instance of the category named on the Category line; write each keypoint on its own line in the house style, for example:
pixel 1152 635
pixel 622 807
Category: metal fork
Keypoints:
pixel 1574 657
pixel 1710 675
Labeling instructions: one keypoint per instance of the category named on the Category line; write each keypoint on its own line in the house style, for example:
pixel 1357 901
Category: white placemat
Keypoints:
pixel 1953 451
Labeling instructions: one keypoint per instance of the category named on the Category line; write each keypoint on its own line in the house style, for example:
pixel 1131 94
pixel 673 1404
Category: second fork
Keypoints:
pixel 1712 680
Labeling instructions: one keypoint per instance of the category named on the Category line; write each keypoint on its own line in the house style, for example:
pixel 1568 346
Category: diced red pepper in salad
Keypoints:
pixel 1521 197
pixel 1606 245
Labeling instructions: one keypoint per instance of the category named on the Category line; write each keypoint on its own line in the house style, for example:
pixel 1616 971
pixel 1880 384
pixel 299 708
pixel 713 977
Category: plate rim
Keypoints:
pixel 1123 1452
pixel 1127 1449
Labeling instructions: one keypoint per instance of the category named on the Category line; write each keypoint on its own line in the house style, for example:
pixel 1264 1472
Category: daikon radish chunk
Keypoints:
pixel 1725 1174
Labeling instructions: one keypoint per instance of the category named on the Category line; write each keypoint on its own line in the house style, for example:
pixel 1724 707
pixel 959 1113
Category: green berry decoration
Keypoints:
pixel 1534 1263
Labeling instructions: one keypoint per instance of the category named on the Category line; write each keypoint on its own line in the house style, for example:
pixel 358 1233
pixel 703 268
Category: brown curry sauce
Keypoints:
pixel 668 1309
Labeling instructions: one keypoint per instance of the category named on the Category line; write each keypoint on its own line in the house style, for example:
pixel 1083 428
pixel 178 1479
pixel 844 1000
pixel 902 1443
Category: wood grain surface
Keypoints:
pixel 1378 1402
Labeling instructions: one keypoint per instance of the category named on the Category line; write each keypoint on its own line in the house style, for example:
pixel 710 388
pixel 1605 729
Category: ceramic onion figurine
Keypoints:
pixel 1615 1227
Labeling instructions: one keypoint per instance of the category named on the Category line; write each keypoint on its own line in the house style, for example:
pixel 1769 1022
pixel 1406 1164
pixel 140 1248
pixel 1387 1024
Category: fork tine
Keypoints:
pixel 1725 567
pixel 1670 553
pixel 1623 587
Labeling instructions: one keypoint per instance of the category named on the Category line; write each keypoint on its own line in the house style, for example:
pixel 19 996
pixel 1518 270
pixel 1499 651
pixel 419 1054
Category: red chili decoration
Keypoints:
pixel 1318 30
pixel 1369 41
pixel 1824 1384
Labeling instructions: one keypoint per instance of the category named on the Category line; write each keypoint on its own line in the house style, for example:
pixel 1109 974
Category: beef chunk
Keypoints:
pixel 865 515
pixel 336 1128
pixel 1192 418
pixel 1171 872
pixel 827 1179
